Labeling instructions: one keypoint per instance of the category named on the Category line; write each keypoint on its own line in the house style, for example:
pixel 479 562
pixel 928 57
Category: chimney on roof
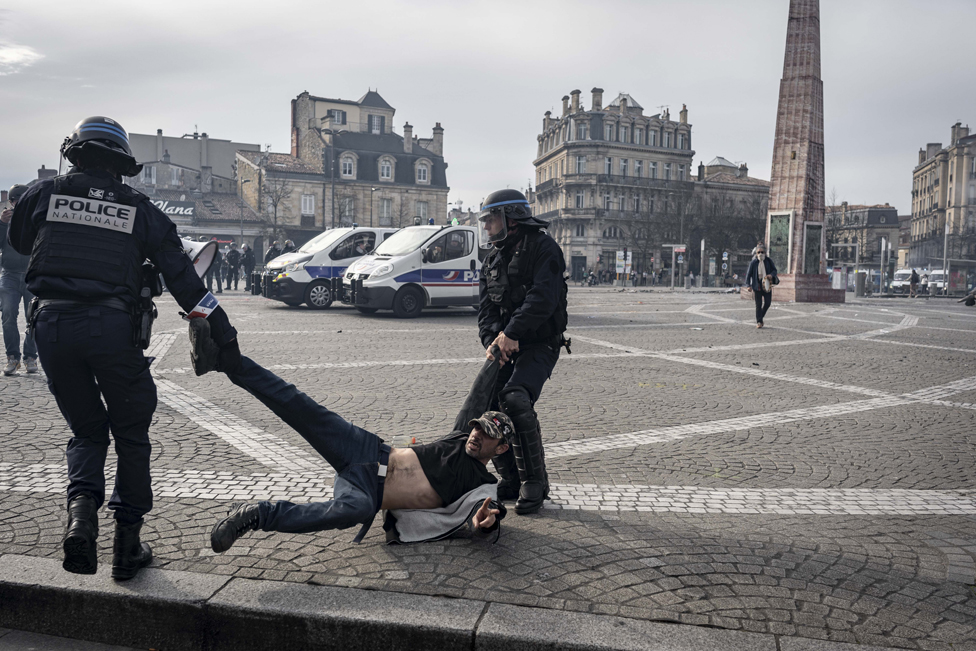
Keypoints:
pixel 701 171
pixel 159 144
pixel 204 154
pixel 3 196
pixel 958 131
pixel 683 114
pixel 546 119
pixel 407 138
pixel 565 105
pixel 742 172
pixel 597 99
pixel 921 155
pixel 437 142
pixel 165 157
pixel 575 100
pixel 623 105
pixel 45 173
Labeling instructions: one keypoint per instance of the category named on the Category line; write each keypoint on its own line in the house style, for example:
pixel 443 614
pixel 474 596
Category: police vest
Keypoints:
pixel 509 278
pixel 92 231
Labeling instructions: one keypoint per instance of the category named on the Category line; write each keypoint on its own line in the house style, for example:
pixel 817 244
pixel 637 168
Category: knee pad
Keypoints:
pixel 515 401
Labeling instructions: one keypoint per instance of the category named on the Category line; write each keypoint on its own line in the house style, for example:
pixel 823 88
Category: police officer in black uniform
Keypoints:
pixel 523 312
pixel 89 236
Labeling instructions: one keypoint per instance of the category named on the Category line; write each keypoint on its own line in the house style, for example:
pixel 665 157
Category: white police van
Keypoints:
pixel 418 267
pixel 306 274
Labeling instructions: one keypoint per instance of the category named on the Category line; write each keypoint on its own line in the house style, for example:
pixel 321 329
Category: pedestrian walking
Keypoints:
pixel 913 284
pixel 88 235
pixel 925 284
pixel 13 292
pixel 233 258
pixel 761 276
pixel 215 272
pixel 522 311
pixel 247 261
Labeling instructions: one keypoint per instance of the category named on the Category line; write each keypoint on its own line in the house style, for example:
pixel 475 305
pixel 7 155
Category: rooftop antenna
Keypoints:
pixel 662 107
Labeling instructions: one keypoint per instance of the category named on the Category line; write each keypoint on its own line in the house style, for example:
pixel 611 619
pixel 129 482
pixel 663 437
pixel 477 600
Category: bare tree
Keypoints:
pixel 277 191
pixel 401 212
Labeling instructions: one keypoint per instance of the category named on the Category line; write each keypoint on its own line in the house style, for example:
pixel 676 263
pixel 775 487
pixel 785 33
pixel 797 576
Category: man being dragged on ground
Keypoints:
pixel 429 491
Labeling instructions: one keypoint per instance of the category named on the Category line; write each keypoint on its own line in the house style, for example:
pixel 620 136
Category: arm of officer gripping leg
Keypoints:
pixel 166 252
pixel 479 398
pixel 489 315
pixel 542 296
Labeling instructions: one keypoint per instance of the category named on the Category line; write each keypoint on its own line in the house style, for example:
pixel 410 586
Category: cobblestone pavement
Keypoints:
pixel 813 478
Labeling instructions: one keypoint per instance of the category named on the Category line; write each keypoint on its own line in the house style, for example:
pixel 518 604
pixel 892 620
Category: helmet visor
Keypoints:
pixel 492 226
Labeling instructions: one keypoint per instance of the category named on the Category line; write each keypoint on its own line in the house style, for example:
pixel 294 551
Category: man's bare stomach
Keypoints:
pixel 406 485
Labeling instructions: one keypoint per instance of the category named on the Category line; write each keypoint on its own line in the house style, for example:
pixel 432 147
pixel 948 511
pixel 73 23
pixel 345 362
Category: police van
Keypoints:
pixel 305 275
pixel 418 267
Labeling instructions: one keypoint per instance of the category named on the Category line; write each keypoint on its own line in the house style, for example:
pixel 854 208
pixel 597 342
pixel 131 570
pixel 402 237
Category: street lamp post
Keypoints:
pixel 371 191
pixel 243 181
pixel 333 133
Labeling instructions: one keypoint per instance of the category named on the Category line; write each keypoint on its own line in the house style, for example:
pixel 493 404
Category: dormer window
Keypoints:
pixel 423 172
pixel 348 167
pixel 386 169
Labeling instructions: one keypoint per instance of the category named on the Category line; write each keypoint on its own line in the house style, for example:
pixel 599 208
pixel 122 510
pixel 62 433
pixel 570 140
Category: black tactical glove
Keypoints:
pixel 229 357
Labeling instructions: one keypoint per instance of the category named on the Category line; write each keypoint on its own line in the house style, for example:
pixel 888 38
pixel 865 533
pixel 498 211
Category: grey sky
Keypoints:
pixel 896 75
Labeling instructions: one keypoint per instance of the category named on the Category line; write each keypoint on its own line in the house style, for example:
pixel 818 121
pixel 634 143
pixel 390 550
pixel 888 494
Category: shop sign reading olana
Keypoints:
pixel 177 208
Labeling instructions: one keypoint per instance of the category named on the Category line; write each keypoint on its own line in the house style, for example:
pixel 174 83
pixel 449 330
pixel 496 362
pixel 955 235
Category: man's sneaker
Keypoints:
pixel 12 365
pixel 30 363
pixel 203 349
pixel 243 518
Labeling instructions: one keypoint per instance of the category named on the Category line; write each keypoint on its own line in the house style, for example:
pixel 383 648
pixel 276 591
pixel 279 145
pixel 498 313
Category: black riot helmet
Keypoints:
pixel 17 191
pixel 100 142
pixel 498 208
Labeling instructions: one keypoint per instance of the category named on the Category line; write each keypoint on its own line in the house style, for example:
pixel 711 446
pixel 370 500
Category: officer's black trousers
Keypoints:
pixel 531 367
pixel 88 355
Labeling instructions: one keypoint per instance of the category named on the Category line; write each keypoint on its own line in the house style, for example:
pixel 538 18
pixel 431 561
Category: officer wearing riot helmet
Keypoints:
pixel 523 312
pixel 89 236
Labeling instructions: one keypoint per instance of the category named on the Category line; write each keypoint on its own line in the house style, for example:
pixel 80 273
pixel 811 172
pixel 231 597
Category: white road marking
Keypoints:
pixel 267 449
pixel 311 486
pixel 779 501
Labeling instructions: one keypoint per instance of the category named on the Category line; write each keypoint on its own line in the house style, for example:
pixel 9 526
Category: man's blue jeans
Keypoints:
pixel 351 450
pixel 13 290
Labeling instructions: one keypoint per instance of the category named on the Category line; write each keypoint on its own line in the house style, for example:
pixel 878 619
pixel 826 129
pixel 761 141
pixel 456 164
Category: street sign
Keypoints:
pixel 681 259
pixel 680 248
pixel 725 266
pixel 725 255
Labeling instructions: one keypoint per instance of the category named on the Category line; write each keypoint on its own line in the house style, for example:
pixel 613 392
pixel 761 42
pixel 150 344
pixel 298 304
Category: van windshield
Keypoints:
pixel 323 240
pixel 405 241
pixel 903 275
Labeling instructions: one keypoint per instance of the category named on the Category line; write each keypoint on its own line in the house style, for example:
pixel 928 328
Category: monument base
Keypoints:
pixel 803 288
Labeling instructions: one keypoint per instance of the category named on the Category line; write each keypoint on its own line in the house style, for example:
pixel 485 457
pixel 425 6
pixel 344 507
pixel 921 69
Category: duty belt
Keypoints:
pixel 37 304
pixel 380 480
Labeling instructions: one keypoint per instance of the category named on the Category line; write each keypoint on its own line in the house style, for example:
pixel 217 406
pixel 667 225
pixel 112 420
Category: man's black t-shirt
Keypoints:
pixel 449 469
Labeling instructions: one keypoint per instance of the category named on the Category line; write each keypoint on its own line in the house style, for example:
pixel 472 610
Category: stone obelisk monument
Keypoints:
pixel 795 225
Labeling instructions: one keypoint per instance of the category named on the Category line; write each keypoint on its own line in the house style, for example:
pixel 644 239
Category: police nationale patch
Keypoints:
pixel 95 193
pixel 89 212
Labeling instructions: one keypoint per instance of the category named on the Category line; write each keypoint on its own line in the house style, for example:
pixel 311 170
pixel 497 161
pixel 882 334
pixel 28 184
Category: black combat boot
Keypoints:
pixel 80 548
pixel 505 466
pixel 531 463
pixel 243 518
pixel 129 554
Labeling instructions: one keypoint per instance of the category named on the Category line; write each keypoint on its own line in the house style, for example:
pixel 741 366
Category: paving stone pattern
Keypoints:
pixel 812 479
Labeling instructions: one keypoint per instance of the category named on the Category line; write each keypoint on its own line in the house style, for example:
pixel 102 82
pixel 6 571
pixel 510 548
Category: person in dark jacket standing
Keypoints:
pixel 13 290
pixel 233 265
pixel 522 310
pixel 272 253
pixel 761 276
pixel 214 271
pixel 247 260
pixel 289 247
pixel 88 236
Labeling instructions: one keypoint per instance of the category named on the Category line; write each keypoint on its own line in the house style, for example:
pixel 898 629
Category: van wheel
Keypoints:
pixel 408 303
pixel 318 296
pixel 368 310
